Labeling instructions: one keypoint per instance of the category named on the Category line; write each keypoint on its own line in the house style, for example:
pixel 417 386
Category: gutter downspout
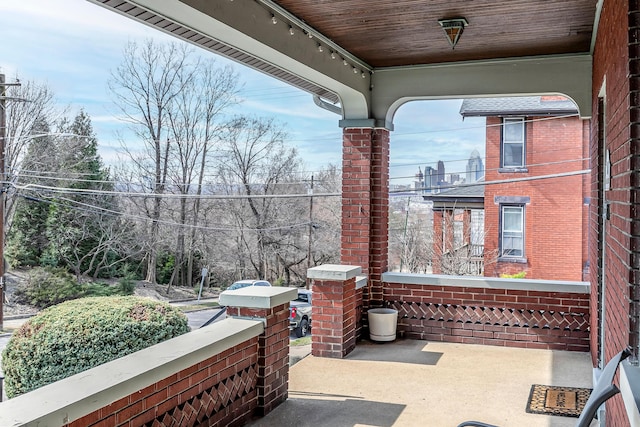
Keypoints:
pixel 596 24
pixel 326 106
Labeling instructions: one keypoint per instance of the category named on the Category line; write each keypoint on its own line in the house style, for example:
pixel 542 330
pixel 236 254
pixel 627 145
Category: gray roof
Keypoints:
pixel 475 189
pixel 462 196
pixel 517 106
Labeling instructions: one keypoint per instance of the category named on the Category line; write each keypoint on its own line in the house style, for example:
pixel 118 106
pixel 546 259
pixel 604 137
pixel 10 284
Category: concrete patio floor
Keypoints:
pixel 421 383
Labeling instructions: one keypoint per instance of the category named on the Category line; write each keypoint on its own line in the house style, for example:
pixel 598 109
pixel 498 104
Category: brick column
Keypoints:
pixel 334 310
pixel 438 243
pixel 365 205
pixel 466 227
pixel 271 304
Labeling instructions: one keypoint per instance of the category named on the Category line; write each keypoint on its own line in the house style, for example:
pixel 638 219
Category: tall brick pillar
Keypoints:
pixel 466 227
pixel 334 309
pixel 438 242
pixel 271 305
pixel 365 205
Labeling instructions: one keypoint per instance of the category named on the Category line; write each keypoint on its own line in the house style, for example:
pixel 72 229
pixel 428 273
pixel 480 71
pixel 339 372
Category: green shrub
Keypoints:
pixel 77 335
pixel 520 275
pixel 126 285
pixel 48 286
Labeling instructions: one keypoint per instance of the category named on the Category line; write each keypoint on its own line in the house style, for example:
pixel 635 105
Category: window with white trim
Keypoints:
pixel 513 143
pixel 512 231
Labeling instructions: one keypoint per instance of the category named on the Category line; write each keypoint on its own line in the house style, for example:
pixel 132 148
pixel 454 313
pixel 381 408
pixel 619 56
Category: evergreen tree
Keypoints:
pixel 26 238
pixel 78 221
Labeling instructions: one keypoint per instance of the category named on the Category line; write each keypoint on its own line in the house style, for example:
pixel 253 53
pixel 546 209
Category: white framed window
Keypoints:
pixel 513 143
pixel 512 231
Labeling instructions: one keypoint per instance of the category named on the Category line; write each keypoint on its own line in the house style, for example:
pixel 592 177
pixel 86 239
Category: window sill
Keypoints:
pixel 513 170
pixel 512 260
pixel 630 391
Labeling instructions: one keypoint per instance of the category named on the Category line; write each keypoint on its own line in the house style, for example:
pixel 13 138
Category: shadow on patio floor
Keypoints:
pixel 420 383
pixel 401 351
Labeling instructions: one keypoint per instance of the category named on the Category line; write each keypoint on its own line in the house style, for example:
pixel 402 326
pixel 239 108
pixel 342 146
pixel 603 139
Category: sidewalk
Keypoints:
pixel 12 323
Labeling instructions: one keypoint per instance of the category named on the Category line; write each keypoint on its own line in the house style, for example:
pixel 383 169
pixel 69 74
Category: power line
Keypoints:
pixel 54 189
pixel 501 181
pixel 109 212
pixel 21 174
pixel 498 169
pixel 28 187
pixel 485 158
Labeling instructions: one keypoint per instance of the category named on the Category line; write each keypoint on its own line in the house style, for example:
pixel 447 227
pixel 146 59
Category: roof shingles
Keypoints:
pixel 518 106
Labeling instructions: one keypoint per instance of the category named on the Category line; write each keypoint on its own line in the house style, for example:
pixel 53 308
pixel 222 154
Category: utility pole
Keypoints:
pixel 404 239
pixel 3 184
pixel 310 228
pixel 3 188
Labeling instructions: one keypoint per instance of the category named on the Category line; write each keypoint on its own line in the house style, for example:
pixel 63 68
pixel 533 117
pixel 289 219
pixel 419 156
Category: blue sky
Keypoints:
pixel 72 45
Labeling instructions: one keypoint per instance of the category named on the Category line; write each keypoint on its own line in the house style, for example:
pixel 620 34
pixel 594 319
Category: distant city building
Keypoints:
pixel 440 176
pixel 418 184
pixel 430 178
pixel 475 168
pixel 434 180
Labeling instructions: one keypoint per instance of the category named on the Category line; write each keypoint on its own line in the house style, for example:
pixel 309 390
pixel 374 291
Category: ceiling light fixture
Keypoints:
pixel 320 49
pixel 291 31
pixel 274 20
pixel 333 55
pixel 453 29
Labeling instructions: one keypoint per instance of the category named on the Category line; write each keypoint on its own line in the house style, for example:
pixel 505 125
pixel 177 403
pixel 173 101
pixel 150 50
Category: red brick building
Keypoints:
pixel 536 171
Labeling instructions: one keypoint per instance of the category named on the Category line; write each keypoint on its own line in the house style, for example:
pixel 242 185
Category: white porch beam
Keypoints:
pixel 247 26
pixel 567 75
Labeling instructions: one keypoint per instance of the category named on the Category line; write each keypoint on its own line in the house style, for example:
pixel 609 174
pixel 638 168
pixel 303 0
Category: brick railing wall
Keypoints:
pixel 521 314
pixel 221 390
pixel 221 375
pixel 337 307
pixel 273 355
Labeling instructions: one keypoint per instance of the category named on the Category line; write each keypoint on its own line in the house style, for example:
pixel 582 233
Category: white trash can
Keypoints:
pixel 382 324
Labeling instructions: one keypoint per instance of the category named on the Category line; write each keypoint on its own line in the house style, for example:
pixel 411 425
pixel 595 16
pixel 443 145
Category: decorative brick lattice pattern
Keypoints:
pixel 502 317
pixel 492 316
pixel 205 405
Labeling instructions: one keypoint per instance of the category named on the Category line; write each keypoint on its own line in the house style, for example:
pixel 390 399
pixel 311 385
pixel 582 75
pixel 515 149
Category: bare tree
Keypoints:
pixel 461 249
pixel 30 110
pixel 327 218
pixel 145 87
pixel 410 238
pixel 255 163
pixel 195 120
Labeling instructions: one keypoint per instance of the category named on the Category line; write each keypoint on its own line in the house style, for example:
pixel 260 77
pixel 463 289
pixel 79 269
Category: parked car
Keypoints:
pixel 246 283
pixel 300 313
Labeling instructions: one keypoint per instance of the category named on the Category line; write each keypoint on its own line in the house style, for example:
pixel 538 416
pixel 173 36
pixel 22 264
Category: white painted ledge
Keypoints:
pixel 488 282
pixel 76 396
pixel 258 296
pixel 361 282
pixel 333 272
pixel 630 391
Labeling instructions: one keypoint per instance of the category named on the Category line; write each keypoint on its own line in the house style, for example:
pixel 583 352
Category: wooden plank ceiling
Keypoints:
pixel 387 33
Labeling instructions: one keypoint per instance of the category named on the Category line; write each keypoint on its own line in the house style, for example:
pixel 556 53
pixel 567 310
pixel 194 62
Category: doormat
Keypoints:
pixel 563 401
